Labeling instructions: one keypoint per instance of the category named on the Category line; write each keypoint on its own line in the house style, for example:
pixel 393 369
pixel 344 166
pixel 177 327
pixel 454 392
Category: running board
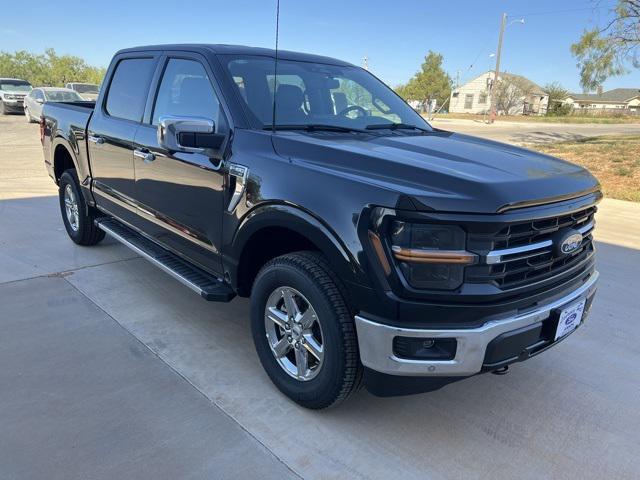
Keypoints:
pixel 208 286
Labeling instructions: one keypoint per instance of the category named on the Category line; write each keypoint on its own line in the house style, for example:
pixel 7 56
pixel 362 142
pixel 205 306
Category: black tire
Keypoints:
pixel 341 372
pixel 86 233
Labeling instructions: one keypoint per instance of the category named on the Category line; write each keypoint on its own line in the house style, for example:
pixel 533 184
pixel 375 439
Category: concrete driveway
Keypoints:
pixel 112 369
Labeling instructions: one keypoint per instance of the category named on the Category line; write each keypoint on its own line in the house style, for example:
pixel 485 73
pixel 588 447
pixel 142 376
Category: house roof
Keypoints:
pixel 535 88
pixel 620 95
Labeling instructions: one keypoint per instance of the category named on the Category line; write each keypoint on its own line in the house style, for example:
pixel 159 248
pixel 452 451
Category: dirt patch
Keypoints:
pixel 614 160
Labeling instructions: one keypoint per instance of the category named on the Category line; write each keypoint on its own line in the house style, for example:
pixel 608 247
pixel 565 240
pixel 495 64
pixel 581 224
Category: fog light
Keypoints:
pixel 416 348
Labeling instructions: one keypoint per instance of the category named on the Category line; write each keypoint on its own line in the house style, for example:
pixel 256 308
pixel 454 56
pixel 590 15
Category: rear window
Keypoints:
pixel 129 87
pixel 62 96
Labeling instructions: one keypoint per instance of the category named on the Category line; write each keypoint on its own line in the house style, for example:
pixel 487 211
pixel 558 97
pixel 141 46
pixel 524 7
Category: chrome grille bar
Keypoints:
pixel 496 256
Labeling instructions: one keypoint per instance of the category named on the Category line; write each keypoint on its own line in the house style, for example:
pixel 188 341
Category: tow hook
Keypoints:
pixel 501 371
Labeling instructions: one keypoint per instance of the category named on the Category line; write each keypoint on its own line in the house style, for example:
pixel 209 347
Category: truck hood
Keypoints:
pixel 441 171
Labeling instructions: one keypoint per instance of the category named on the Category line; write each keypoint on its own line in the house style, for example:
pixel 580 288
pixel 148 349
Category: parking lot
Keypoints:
pixel 112 369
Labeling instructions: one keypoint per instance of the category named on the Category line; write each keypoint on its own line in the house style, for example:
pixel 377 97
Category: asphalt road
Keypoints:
pixel 112 369
pixel 534 132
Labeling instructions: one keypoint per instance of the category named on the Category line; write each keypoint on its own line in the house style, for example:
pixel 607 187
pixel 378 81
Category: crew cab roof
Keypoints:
pixel 240 50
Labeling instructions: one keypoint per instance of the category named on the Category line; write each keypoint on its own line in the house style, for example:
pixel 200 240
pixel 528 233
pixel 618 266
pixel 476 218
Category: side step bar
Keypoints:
pixel 209 287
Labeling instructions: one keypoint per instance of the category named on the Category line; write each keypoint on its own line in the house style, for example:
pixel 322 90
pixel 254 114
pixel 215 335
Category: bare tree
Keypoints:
pixel 510 93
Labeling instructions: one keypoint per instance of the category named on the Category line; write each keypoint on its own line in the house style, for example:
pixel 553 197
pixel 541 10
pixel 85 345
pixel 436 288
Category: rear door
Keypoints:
pixel 180 194
pixel 118 113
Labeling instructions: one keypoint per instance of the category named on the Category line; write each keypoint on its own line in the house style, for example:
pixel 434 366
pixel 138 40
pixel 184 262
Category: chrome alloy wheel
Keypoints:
pixel 294 333
pixel 71 208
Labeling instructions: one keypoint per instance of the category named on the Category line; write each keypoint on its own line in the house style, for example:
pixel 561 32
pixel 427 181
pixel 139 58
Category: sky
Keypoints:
pixel 394 35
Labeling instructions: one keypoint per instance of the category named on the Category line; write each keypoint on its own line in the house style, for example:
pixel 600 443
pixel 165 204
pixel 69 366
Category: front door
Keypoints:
pixel 111 133
pixel 179 194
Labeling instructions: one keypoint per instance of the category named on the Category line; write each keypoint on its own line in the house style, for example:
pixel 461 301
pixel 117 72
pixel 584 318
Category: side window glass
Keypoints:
pixel 186 91
pixel 129 87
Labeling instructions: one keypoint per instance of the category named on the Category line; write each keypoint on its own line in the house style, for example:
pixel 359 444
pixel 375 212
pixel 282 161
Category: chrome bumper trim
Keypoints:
pixel 376 340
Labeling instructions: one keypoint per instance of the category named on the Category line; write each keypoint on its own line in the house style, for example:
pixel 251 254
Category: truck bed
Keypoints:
pixel 66 123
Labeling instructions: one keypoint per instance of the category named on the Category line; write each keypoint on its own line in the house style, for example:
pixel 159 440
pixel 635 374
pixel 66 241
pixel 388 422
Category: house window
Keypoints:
pixel 468 100
pixel 482 99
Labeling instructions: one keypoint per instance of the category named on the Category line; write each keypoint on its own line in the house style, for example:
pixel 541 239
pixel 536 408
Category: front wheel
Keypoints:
pixel 304 332
pixel 28 115
pixel 78 217
pixel 3 110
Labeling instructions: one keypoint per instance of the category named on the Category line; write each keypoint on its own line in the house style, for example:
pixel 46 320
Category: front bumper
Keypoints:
pixel 376 340
pixel 14 105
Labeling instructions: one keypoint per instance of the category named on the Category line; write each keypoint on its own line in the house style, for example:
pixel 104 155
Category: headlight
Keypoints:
pixel 430 256
pixel 10 97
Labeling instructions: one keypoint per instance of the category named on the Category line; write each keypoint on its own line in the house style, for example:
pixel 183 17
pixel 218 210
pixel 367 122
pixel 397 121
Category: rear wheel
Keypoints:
pixel 77 216
pixel 303 330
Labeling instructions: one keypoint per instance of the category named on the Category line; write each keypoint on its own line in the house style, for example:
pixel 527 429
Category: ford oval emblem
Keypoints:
pixel 571 243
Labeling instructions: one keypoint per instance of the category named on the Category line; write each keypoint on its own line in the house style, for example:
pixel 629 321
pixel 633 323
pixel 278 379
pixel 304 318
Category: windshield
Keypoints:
pixel 310 93
pixel 85 88
pixel 62 96
pixel 15 86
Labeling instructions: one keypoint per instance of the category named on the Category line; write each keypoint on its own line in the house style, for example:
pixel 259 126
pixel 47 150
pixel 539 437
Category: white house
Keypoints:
pixel 473 96
pixel 619 99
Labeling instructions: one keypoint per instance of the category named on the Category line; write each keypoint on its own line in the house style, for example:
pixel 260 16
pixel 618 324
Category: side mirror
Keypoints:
pixel 39 100
pixel 190 134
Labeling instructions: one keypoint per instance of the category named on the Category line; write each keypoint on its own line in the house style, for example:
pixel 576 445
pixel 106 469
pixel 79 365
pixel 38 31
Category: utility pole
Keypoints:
pixel 503 25
pixel 366 62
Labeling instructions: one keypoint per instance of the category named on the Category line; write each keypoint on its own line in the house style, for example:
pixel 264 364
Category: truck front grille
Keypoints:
pixel 522 253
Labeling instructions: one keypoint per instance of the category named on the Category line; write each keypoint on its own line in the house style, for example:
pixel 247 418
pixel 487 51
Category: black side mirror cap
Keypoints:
pixel 201 140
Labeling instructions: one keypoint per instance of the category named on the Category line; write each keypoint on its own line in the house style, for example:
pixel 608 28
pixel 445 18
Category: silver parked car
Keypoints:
pixel 12 93
pixel 88 91
pixel 38 96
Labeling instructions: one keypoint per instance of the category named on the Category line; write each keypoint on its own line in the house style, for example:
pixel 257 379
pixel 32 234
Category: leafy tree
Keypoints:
pixel 48 69
pixel 609 51
pixel 429 83
pixel 557 94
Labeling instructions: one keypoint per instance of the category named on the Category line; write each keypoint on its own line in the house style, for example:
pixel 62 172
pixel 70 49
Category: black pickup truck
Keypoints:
pixel 376 249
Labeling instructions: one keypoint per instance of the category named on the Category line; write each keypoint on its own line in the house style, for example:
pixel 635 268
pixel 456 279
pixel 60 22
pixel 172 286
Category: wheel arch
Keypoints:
pixel 261 237
pixel 63 157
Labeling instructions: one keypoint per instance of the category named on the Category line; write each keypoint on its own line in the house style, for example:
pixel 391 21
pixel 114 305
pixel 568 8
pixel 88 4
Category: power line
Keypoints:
pixel 568 10
pixel 475 60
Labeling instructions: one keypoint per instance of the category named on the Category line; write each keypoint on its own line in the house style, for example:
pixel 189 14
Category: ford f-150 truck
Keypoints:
pixel 375 248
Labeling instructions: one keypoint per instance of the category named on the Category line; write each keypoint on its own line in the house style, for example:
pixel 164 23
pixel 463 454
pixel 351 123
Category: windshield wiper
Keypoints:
pixel 395 126
pixel 313 127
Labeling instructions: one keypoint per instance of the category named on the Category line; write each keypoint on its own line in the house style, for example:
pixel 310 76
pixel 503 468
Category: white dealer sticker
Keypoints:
pixel 570 318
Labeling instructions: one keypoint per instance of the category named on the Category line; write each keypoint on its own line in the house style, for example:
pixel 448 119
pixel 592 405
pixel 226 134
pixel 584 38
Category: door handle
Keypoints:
pixel 145 155
pixel 96 140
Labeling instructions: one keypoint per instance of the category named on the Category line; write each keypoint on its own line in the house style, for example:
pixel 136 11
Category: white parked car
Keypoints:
pixel 12 93
pixel 38 96
pixel 88 91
